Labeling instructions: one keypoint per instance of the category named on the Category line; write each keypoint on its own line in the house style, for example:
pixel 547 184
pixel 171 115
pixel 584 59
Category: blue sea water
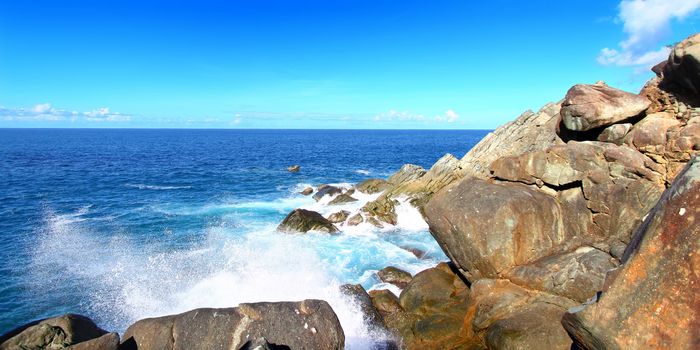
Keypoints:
pixel 125 224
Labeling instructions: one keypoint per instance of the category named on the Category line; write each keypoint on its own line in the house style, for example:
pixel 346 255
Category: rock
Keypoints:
pixel 381 209
pixel 650 133
pixel 109 341
pixel 682 70
pixel 259 344
pixel 326 190
pixel 615 133
pixel 651 301
pixel 420 254
pixel 302 220
pixel 395 276
pixel 510 317
pixel 342 199
pixel 434 305
pixel 529 132
pixel 408 172
pixel 372 186
pixel 576 275
pixel 293 169
pixel 52 333
pixel 355 220
pixel 587 107
pixel 385 302
pixel 307 191
pixel 339 216
pixel 487 228
pixel 359 295
pixel 309 324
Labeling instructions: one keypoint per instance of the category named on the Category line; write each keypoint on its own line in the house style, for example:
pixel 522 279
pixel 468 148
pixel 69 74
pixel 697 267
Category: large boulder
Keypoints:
pixel 395 276
pixel 309 324
pixel 326 190
pixel 302 220
pixel 683 66
pixel 109 341
pixel 52 333
pixel 587 107
pixel 342 199
pixel 651 301
pixel 338 216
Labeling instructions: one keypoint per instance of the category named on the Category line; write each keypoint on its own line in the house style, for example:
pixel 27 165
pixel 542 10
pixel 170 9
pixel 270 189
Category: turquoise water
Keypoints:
pixel 125 224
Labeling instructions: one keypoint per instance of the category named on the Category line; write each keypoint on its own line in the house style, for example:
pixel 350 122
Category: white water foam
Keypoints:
pixel 363 172
pixel 156 187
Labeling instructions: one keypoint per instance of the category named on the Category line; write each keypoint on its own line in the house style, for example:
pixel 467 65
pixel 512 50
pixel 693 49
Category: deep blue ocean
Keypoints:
pixel 125 224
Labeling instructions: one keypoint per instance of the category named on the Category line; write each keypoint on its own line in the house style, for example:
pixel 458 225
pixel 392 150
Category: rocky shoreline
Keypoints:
pixel 573 227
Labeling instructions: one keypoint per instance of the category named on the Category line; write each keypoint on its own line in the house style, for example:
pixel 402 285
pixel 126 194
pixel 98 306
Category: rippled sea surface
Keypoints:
pixel 125 224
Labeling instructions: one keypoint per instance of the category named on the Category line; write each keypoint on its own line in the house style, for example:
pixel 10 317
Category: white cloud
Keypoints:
pixel 44 112
pixel 450 116
pixel 646 23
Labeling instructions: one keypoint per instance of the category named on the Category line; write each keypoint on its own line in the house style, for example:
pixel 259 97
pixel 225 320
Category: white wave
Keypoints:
pixel 363 172
pixel 156 187
pixel 409 217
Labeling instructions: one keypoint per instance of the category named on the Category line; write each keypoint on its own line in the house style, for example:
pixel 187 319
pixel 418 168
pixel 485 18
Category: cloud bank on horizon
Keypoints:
pixel 646 23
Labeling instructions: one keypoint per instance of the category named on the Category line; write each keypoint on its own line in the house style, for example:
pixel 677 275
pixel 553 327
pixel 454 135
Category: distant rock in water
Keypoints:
pixel 307 191
pixel 342 199
pixel 326 190
pixel 302 220
pixel 309 324
pixel 294 168
pixel 56 333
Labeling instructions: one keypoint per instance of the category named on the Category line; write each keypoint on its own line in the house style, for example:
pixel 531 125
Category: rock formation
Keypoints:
pixel 302 220
pixel 70 330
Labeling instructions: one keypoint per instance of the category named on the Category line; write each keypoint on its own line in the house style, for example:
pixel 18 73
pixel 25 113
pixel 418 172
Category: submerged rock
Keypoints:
pixel 307 191
pixel 309 324
pixel 293 169
pixel 326 190
pixel 587 107
pixel 395 276
pixel 52 333
pixel 302 220
pixel 651 301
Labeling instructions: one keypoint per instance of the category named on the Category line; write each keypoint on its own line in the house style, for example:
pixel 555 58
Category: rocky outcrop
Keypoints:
pixel 359 296
pixel 307 191
pixel 587 107
pixel 109 341
pixel 652 301
pixel 293 168
pixel 338 216
pixel 309 324
pixel 302 220
pixel 395 276
pixel 342 199
pixel 55 333
pixel 372 186
pixel 682 70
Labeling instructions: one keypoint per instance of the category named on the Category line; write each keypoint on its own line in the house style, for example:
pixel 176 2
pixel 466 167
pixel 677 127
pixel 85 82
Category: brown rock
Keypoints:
pixel 109 341
pixel 307 191
pixel 355 220
pixel 52 333
pixel 615 133
pixel 309 324
pixel 326 190
pixel 650 132
pixel 293 169
pixel 359 296
pixel 408 172
pixel 339 216
pixel 651 301
pixel 385 302
pixel 342 199
pixel 682 69
pixel 372 186
pixel 395 276
pixel 302 220
pixel 587 107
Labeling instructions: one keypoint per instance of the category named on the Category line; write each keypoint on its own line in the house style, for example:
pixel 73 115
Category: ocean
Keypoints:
pixel 121 225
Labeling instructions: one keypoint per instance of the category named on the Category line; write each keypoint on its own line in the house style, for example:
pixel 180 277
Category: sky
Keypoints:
pixel 374 64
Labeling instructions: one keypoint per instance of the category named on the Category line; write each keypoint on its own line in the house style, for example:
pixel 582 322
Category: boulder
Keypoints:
pixel 52 333
pixel 309 324
pixel 576 275
pixel 587 107
pixel 529 132
pixel 293 169
pixel 109 341
pixel 395 276
pixel 342 199
pixel 651 300
pixel 326 190
pixel 338 216
pixel 615 133
pixel 385 302
pixel 408 172
pixel 649 134
pixel 302 220
pixel 372 186
pixel 682 70
pixel 359 296
pixel 307 191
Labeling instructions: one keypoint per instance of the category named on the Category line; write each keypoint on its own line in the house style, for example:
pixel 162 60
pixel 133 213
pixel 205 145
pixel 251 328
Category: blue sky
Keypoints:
pixel 319 64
